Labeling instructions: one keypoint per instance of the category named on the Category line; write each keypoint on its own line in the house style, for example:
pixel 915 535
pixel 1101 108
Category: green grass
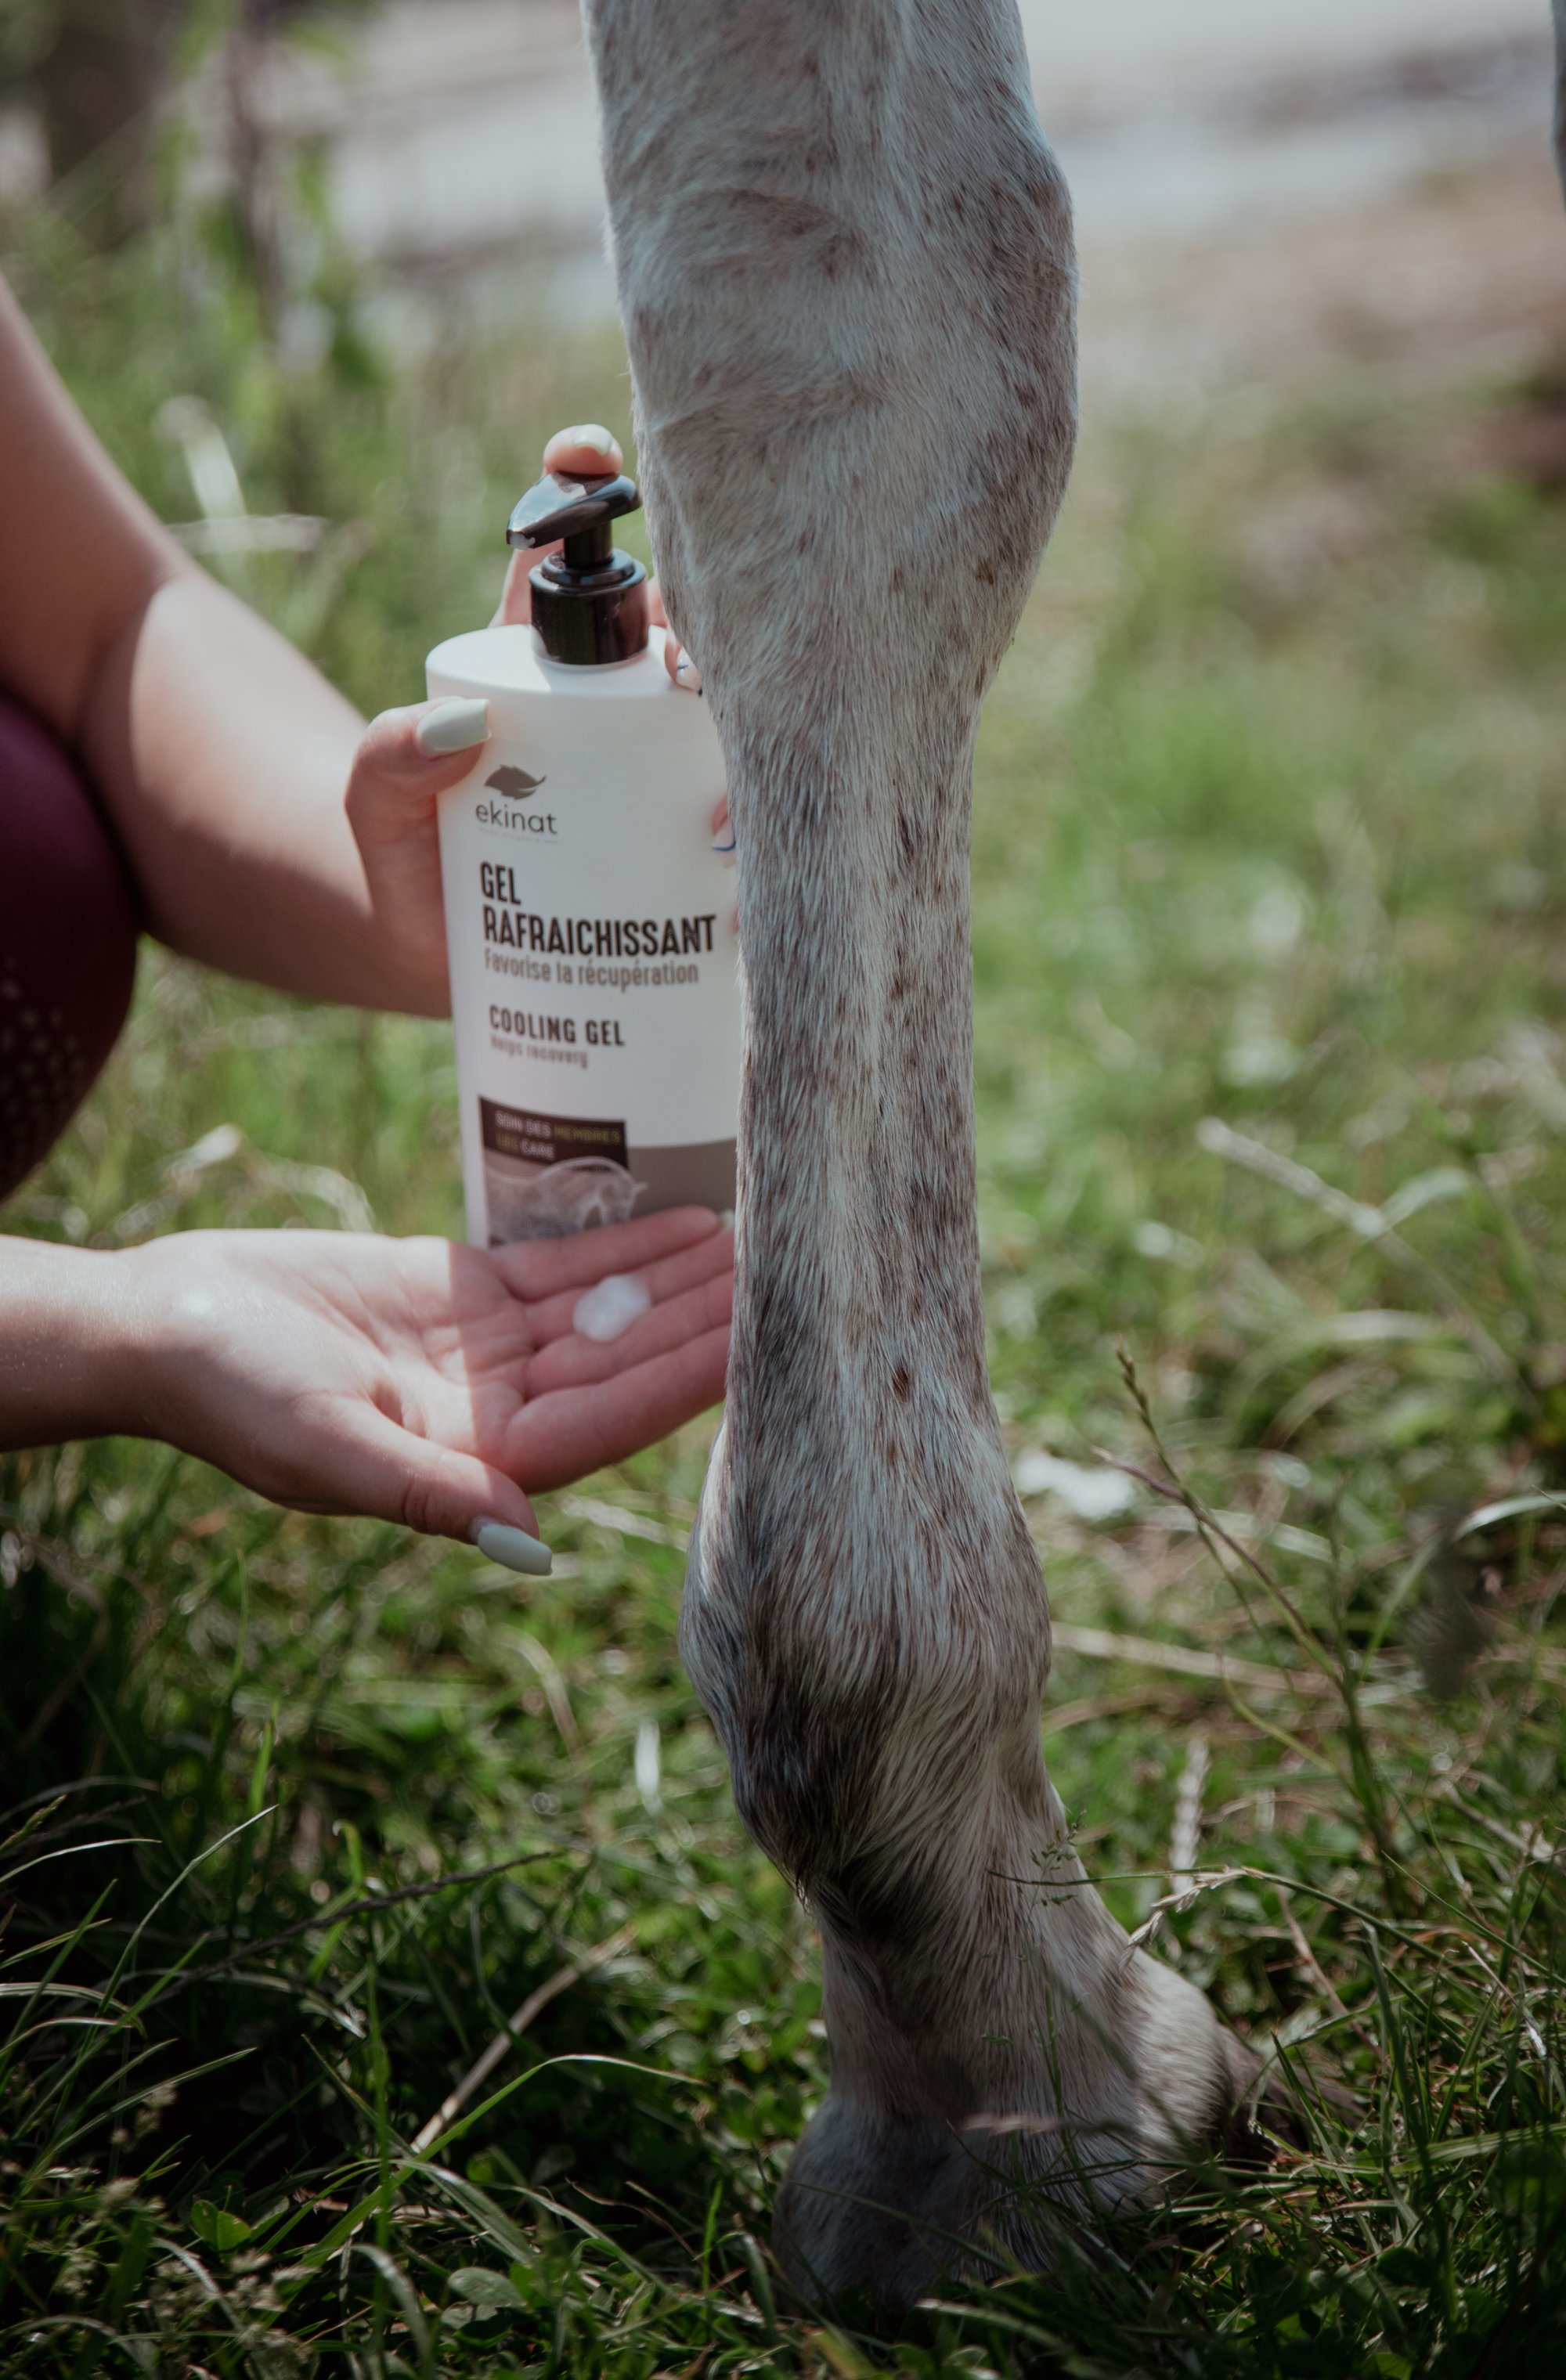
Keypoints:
pixel 1267 831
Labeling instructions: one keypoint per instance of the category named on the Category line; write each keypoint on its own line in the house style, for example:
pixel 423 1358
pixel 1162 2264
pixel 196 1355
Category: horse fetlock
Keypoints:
pixel 869 1721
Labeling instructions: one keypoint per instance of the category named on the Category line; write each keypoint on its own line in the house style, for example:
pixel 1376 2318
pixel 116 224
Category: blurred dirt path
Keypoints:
pixel 1459 273
pixel 1254 184
pixel 466 130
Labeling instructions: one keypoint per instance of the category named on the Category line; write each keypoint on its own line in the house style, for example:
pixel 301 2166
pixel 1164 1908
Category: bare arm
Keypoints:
pixel 223 757
pixel 270 834
pixel 220 754
pixel 413 1380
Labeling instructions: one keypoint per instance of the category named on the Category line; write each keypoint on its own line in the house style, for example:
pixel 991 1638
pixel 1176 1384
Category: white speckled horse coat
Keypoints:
pixel 844 264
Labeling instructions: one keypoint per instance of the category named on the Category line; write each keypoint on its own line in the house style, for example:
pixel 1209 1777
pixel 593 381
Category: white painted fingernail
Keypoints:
pixel 686 674
pixel 725 847
pixel 454 726
pixel 589 434
pixel 513 1548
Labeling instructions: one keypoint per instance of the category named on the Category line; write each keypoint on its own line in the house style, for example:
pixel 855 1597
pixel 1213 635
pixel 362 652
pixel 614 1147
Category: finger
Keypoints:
pixel 407 757
pixel 572 1362
pixel 586 450
pixel 564 1436
pixel 539 1268
pixel 389 1473
pixel 554 1318
pixel 655 612
pixel 680 666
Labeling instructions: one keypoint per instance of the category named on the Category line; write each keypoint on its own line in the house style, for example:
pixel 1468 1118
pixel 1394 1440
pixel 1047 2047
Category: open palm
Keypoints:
pixel 422 1381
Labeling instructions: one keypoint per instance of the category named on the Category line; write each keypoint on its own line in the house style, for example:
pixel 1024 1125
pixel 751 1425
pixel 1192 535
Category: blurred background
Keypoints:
pixel 281 205
pixel 305 195
pixel 1270 912
pixel 444 137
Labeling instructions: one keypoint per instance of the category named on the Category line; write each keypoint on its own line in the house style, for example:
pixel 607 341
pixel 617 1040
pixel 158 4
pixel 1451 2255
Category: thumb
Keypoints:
pixel 406 758
pixel 395 1475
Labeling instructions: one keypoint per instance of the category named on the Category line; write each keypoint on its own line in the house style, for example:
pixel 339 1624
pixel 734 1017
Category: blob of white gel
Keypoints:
pixel 611 1306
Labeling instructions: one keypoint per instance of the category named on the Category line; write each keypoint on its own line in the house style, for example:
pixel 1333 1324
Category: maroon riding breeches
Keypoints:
pixel 67 942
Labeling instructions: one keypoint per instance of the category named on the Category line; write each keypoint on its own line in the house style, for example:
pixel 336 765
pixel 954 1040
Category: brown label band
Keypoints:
pixel 549 1140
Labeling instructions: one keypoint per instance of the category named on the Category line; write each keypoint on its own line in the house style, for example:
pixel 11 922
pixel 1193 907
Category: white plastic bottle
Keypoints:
pixel 589 915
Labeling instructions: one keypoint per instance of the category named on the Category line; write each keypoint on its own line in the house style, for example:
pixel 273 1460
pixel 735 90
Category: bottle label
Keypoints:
pixel 590 927
pixel 545 1175
pixel 550 1140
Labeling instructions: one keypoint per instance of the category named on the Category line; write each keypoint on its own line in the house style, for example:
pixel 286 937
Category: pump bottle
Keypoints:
pixel 589 913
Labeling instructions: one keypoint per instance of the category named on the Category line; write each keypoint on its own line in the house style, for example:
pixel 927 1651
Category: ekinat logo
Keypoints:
pixel 514 786
pixel 514 783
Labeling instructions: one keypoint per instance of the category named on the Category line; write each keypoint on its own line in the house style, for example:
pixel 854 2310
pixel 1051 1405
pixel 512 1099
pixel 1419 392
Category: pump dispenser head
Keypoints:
pixel 590 600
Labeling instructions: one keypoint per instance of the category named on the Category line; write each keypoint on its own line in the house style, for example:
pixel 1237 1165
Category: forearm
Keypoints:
pixel 222 756
pixel 74 1340
pixel 220 753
